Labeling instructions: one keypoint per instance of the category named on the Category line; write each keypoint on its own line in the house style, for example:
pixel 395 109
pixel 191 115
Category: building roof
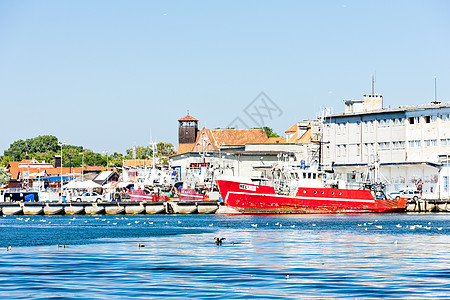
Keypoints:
pixel 293 128
pixel 182 148
pixel 276 140
pixel 214 138
pixel 188 118
pixel 392 110
pixel 218 137
pixel 104 176
pixel 237 136
pixel 16 169
pixel 304 138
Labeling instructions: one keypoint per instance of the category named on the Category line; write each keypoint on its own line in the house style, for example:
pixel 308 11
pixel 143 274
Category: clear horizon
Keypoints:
pixel 110 75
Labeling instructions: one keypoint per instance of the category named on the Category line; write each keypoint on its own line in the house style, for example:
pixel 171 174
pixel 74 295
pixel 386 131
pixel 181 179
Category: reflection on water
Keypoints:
pixel 270 257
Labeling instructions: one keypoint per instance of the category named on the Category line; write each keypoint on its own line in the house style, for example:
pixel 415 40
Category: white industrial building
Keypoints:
pixel 411 144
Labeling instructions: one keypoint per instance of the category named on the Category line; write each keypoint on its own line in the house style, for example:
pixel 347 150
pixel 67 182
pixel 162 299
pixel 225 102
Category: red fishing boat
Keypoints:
pixel 301 191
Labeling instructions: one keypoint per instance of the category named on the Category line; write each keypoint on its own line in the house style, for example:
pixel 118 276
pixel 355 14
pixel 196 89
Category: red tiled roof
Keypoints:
pixel 188 118
pixel 218 137
pixel 214 138
pixel 293 128
pixel 182 148
pixel 276 140
pixel 17 172
pixel 306 137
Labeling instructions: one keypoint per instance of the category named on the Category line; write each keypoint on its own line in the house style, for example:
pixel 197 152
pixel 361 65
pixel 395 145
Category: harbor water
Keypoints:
pixel 268 257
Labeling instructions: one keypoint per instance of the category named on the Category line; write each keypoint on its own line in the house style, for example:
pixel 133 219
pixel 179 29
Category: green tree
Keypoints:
pixel 48 157
pixel 4 161
pixel 163 151
pixel 116 160
pixel 269 131
pixel 16 150
pixel 4 175
pixel 42 143
pixel 141 152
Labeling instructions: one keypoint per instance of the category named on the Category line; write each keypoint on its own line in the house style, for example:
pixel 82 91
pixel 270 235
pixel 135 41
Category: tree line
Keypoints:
pixel 45 147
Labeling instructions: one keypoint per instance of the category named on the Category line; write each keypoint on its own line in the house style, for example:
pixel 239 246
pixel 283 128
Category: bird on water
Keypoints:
pixel 141 245
pixel 9 248
pixel 219 240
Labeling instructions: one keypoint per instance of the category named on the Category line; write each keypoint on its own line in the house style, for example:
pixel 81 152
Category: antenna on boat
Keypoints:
pixel 153 148
pixel 324 112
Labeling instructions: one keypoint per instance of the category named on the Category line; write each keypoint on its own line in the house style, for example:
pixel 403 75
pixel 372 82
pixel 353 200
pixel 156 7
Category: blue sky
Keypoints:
pixel 110 74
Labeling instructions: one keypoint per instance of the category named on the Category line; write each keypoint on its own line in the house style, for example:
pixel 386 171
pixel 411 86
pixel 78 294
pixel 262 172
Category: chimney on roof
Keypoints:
pixel 57 163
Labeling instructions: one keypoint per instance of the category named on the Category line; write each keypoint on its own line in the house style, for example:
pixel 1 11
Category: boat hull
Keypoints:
pixel 255 199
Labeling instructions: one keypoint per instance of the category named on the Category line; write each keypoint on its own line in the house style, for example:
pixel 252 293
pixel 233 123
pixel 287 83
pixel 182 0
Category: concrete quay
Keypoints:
pixel 428 205
pixel 107 208
pixel 169 207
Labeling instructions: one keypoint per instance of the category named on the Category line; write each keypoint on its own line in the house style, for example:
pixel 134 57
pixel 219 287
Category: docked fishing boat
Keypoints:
pixel 298 190
pixel 148 195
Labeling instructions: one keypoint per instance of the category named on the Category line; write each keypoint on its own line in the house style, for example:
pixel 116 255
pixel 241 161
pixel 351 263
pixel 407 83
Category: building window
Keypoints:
pixel 358 149
pixel 434 143
pixel 417 143
pixel 411 144
pixel 411 120
pixel 443 142
pixel 384 145
pixel 344 150
pixel 427 119
pixel 433 119
pixel 427 143
pixel 398 145
pixel 446 183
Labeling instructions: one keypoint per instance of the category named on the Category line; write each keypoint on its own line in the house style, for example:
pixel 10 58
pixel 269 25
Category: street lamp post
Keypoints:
pixel 107 162
pixel 39 183
pixel 448 178
pixel 82 166
pixel 61 188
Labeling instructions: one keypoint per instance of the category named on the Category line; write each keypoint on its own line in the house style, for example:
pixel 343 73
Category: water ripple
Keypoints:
pixel 335 258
